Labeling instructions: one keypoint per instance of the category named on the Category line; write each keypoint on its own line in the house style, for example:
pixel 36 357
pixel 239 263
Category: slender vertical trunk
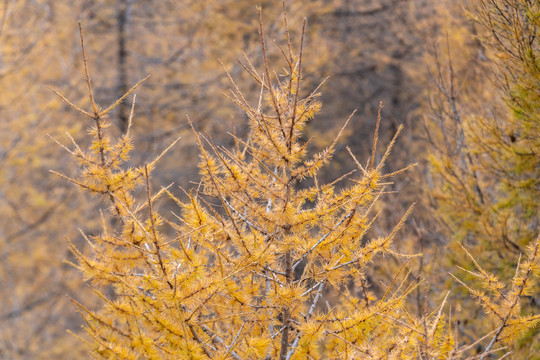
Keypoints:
pixel 122 84
pixel 288 271
pixel 286 311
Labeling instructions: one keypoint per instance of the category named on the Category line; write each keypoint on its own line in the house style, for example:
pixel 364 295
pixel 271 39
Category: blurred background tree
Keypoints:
pixel 483 132
pixel 34 208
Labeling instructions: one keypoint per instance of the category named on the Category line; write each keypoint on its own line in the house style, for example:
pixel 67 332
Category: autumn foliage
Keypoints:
pixel 264 260
pixel 303 235
pixel 484 150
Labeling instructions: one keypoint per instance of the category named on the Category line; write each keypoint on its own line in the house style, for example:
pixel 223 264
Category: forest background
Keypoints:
pixel 436 66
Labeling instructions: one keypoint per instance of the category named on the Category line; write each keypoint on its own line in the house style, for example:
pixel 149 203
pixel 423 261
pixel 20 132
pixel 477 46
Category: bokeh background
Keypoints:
pixel 371 51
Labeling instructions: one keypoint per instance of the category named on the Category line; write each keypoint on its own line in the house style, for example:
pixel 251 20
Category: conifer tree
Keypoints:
pixel 487 162
pixel 253 253
pixel 485 144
